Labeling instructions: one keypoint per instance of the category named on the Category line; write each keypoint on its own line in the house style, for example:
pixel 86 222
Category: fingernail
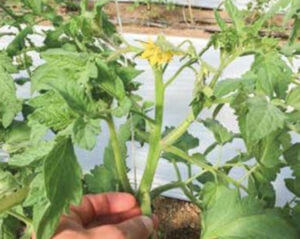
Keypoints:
pixel 148 223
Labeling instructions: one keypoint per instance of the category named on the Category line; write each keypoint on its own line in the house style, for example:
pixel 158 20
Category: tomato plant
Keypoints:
pixel 87 78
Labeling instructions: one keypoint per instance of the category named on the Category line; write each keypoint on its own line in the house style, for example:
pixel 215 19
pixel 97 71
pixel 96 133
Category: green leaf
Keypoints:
pixel 17 137
pixel 221 134
pixel 222 24
pixel 127 73
pixel 9 104
pixel 63 66
pixel 262 190
pixel 123 108
pixel 109 81
pixel 9 228
pixel 260 184
pixel 293 185
pixel 100 180
pixel 275 8
pixel 292 156
pixel 8 183
pixel 235 14
pixel 226 86
pixel 293 11
pixel 294 116
pixel 262 119
pixel 46 218
pixel 85 132
pixel 51 110
pixel 35 5
pixel 7 63
pixel 36 192
pixel 246 82
pixel 31 154
pixel 296 216
pixel 18 43
pixel 17 133
pixel 293 99
pixel 78 100
pixel 273 74
pixel 268 150
pixel 62 178
pixel 240 218
pixel 62 174
pixel 185 142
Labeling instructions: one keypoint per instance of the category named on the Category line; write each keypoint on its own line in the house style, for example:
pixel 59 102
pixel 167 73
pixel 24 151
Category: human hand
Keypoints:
pixel 105 216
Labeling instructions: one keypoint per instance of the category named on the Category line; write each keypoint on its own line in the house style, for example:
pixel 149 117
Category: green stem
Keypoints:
pixel 183 187
pixel 176 133
pixel 223 65
pixel 248 174
pixel 189 159
pixel 84 5
pixel 161 189
pixel 20 217
pixel 154 145
pixel 182 128
pixel 210 148
pixel 189 168
pixel 177 73
pixel 119 162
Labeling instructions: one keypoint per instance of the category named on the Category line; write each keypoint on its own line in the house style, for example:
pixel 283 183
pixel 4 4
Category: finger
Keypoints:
pixel 155 221
pixel 137 228
pixel 69 222
pixel 116 218
pixel 94 206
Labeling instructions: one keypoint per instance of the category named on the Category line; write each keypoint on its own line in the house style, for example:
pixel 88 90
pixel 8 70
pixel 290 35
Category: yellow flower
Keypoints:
pixel 156 55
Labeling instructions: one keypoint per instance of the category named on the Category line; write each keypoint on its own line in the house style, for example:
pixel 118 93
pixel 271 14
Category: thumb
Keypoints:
pixel 136 228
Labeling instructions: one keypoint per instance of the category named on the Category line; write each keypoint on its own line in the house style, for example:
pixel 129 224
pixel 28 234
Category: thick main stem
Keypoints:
pixel 154 145
pixel 119 162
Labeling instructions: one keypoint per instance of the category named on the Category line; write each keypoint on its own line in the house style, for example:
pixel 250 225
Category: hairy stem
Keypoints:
pixel 119 162
pixel 154 145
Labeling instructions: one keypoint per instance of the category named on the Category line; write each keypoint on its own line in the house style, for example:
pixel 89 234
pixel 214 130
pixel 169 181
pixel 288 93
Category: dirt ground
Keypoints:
pixel 180 21
pixel 178 219
pixel 158 19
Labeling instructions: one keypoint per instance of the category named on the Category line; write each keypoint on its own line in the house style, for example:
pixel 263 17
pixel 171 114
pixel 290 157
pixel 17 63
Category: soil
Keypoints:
pixel 180 21
pixel 159 20
pixel 177 219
